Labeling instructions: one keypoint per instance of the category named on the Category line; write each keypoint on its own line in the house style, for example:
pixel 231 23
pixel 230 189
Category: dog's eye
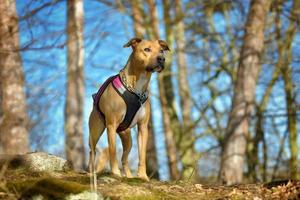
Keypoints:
pixel 147 49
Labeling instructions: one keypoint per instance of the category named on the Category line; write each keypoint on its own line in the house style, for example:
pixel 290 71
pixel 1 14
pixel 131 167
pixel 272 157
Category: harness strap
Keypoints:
pixel 132 100
pixel 97 96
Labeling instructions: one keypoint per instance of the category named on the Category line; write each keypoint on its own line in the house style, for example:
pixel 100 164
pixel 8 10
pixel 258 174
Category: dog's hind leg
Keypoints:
pixel 127 144
pixel 96 128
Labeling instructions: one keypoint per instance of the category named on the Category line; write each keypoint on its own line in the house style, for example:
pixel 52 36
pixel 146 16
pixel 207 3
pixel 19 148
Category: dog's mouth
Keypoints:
pixel 158 68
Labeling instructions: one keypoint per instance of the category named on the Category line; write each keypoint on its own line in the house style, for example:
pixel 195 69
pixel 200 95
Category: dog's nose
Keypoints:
pixel 161 59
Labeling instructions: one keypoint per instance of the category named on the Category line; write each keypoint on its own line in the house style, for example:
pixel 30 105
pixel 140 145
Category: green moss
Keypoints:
pixel 85 180
pixel 51 188
pixel 154 196
pixel 133 181
pixel 58 185
pixel 1 189
pixel 142 198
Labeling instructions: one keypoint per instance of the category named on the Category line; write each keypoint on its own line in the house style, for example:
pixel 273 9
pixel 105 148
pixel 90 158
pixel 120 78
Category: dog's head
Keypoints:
pixel 149 55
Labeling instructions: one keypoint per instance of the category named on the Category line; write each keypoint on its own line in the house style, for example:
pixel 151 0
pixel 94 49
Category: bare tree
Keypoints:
pixel 137 16
pixel 13 118
pixel 188 155
pixel 284 42
pixel 233 152
pixel 289 87
pixel 75 85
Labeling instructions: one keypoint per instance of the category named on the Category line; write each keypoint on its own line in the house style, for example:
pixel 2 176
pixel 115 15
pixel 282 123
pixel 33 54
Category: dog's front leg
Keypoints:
pixel 111 134
pixel 127 144
pixel 142 145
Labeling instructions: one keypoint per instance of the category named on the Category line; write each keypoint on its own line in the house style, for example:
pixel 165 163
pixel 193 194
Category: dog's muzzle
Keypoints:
pixel 159 67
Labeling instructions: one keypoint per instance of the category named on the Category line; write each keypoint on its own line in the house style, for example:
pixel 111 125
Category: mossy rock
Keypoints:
pixel 35 161
pixel 49 188
pixel 85 195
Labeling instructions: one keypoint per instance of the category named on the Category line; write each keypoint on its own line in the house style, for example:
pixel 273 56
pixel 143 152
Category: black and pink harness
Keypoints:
pixel 133 100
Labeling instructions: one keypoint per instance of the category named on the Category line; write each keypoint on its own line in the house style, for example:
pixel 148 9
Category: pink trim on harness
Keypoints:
pixel 118 84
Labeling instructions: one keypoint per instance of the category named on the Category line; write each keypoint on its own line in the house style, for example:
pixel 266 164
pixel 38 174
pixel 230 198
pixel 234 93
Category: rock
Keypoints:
pixel 38 197
pixel 85 195
pixel 107 179
pixel 80 196
pixel 35 161
pixel 40 161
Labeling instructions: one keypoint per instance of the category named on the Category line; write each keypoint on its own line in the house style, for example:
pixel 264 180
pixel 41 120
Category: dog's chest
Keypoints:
pixel 140 114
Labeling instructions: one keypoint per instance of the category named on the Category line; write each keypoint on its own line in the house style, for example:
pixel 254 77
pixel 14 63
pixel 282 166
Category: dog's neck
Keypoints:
pixel 137 78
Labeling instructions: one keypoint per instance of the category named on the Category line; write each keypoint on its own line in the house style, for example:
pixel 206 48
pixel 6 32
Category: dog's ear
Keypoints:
pixel 133 42
pixel 164 45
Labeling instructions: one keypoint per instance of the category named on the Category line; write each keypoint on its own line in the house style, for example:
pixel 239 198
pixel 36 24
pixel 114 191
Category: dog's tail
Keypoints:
pixel 102 159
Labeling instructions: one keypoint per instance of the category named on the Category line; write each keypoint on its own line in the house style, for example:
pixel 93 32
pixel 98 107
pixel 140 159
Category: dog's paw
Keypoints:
pixel 127 172
pixel 117 173
pixel 128 175
pixel 143 177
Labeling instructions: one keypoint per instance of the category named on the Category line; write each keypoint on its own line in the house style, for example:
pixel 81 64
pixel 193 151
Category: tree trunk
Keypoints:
pixel 14 118
pixel 292 120
pixel 1 113
pixel 283 62
pixel 169 134
pixel 151 156
pixel 166 98
pixel 153 23
pixel 75 86
pixel 290 96
pixel 233 149
pixel 186 144
pixel 137 16
pixel 252 147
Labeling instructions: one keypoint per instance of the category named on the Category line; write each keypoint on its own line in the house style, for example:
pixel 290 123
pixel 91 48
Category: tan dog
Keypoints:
pixel 147 57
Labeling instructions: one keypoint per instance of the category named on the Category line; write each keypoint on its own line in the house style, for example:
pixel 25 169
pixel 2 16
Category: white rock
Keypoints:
pixel 85 195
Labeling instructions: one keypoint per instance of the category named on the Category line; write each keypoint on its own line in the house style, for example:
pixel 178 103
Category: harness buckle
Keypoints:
pixel 142 97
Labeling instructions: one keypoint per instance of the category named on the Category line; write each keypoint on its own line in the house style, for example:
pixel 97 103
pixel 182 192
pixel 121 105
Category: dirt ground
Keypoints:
pixel 23 184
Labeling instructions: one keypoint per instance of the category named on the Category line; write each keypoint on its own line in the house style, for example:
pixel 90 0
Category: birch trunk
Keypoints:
pixel 151 155
pixel 137 16
pixel 75 152
pixel 13 117
pixel 234 147
pixel 186 144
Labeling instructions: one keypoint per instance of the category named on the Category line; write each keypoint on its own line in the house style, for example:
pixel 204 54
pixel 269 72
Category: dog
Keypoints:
pixel 122 102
